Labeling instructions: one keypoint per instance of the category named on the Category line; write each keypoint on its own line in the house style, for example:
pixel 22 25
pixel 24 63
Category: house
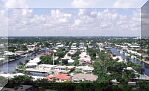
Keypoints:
pixel 59 45
pixel 31 47
pixel 33 63
pixel 84 58
pixel 20 53
pixel 72 52
pixel 84 77
pixel 45 69
pixel 7 53
pixel 67 59
pixel 74 46
pixel 40 70
pixel 70 61
pixel 145 57
pixel 84 69
pixel 11 75
pixel 59 77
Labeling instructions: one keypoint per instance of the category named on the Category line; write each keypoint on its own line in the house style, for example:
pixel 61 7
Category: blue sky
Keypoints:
pixel 61 3
pixel 46 11
pixel 77 3
pixel 71 17
pixel 73 3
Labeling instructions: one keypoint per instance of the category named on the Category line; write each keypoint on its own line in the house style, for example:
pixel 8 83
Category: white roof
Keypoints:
pixel 129 68
pixel 18 74
pixel 35 60
pixel 70 66
pixel 114 81
pixel 70 61
pixel 31 64
pixel 37 70
pixel 85 68
pixel 38 77
pixel 114 57
pixel 2 58
pixel 6 75
pixel 134 46
pixel 9 53
pixel 11 75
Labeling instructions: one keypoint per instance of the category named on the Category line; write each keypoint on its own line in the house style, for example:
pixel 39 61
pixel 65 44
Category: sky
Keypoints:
pixel 70 17
pixel 73 3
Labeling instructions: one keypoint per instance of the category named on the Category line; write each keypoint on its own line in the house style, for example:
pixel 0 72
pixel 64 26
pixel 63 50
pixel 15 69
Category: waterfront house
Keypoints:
pixel 33 63
pixel 19 53
pixel 7 53
pixel 44 69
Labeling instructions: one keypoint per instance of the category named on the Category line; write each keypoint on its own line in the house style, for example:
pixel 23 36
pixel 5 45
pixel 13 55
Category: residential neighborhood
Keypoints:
pixel 90 60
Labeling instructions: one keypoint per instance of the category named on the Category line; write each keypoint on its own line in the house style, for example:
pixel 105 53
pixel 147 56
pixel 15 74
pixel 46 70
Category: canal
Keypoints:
pixel 10 67
pixel 123 54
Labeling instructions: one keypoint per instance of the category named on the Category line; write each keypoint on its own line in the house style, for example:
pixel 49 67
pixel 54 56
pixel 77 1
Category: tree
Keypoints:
pixel 3 81
pixel 143 85
pixel 92 52
pixel 60 54
pixel 12 49
pixel 20 80
pixel 41 83
pixel 46 59
pixel 22 68
pixel 23 48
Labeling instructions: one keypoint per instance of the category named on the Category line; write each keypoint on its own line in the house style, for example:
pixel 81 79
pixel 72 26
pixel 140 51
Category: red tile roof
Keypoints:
pixel 62 76
pixel 59 76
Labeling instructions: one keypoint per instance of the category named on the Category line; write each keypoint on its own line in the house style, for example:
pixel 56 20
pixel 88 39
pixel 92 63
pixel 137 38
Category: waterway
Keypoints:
pixel 10 67
pixel 123 54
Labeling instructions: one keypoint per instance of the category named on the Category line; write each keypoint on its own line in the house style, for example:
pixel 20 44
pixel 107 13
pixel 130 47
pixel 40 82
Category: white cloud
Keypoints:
pixel 26 12
pixel 3 23
pixel 16 4
pixel 84 3
pixel 108 22
pixel 129 3
pixel 87 22
pixel 108 3
pixel 77 22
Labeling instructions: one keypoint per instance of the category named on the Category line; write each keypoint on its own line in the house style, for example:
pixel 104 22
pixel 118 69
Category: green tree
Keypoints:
pixel 20 80
pixel 46 59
